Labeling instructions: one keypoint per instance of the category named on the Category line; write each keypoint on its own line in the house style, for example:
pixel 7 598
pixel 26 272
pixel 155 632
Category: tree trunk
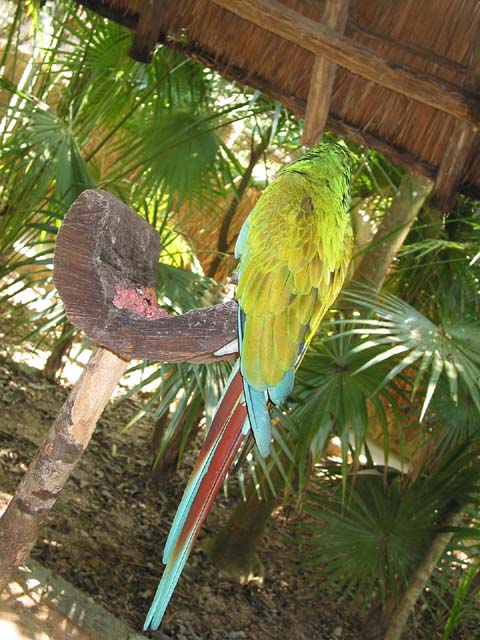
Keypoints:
pixel 55 363
pixel 376 621
pixel 420 578
pixel 234 549
pixel 223 243
pixel 412 193
pixel 55 460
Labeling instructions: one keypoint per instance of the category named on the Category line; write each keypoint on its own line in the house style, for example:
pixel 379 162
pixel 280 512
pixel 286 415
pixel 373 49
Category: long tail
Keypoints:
pixel 227 431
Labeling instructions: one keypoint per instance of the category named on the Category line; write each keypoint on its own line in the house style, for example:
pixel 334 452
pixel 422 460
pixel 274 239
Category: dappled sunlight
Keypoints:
pixel 334 454
pixel 24 616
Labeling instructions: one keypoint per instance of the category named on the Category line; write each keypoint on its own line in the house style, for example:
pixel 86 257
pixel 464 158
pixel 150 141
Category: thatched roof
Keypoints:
pixel 405 75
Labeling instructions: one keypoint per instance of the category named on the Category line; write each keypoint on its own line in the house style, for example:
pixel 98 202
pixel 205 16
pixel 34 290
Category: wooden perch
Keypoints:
pixel 335 16
pixel 106 260
pixel 277 18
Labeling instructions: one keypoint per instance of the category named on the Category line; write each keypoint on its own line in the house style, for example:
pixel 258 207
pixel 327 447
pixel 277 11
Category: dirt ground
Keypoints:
pixel 107 532
pixel 108 529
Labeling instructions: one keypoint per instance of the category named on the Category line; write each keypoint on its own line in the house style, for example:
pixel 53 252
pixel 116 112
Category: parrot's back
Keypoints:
pixel 294 253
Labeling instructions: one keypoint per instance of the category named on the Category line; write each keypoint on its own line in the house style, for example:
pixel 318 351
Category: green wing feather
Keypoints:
pixel 295 252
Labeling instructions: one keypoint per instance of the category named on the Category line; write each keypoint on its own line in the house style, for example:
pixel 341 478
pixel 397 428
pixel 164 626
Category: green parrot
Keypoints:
pixel 294 251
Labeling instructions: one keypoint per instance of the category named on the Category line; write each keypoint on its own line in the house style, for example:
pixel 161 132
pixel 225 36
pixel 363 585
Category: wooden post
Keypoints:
pixel 147 32
pixel 456 156
pixel 461 146
pixel 323 76
pixel 58 455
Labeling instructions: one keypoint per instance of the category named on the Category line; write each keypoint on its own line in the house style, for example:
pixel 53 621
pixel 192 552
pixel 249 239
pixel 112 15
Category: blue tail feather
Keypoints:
pixel 256 402
pixel 165 591
pixel 281 391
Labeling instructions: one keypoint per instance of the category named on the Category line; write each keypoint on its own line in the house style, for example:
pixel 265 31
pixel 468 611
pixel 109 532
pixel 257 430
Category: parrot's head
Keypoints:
pixel 334 155
pixel 326 150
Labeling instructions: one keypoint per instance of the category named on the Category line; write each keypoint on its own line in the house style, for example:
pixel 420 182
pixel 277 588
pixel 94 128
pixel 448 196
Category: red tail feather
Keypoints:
pixel 212 481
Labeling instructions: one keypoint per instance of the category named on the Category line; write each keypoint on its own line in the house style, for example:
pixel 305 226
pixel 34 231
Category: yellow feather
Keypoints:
pixel 326 277
pixel 267 359
pixel 248 290
pixel 296 258
pixel 280 293
pixel 305 307
pixel 248 271
pixel 316 268
pixel 302 281
pixel 282 347
pixel 274 287
pixel 252 340
pixel 310 250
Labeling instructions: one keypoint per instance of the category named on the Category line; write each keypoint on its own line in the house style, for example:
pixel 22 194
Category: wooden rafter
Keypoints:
pixel 323 76
pixel 321 40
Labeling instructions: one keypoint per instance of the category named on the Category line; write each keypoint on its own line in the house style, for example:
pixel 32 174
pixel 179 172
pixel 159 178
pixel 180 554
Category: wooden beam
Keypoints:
pixel 275 17
pixel 408 48
pixel 147 31
pixel 335 17
pixel 461 145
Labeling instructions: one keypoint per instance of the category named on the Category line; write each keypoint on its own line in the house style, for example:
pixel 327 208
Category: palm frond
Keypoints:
pixel 407 337
pixel 374 540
